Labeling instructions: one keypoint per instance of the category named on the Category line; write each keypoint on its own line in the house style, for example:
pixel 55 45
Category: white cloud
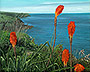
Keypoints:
pixel 50 8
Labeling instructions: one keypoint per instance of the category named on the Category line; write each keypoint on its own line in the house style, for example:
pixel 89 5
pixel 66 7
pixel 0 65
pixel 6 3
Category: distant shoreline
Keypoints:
pixel 42 13
pixel 62 13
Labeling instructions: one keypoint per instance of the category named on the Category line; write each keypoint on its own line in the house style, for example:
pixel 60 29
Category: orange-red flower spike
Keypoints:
pixel 79 68
pixel 59 10
pixel 13 40
pixel 71 28
pixel 65 57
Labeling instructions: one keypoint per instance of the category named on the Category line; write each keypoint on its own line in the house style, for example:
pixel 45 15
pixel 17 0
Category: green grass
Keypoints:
pixel 32 57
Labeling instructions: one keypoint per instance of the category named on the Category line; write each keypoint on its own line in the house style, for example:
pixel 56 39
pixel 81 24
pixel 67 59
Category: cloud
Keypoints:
pixel 66 3
pixel 49 7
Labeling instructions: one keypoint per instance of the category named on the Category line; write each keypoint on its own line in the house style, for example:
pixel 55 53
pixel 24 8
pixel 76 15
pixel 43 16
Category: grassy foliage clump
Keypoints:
pixel 32 57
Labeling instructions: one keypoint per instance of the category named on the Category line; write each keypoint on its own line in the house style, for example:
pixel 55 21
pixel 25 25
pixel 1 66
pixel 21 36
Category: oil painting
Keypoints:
pixel 44 36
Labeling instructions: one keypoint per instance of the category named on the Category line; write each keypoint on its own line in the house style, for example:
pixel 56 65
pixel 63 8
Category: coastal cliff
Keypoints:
pixel 12 21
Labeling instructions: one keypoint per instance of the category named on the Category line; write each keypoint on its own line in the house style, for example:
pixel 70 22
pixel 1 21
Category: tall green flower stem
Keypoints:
pixel 70 53
pixel 14 51
pixel 55 24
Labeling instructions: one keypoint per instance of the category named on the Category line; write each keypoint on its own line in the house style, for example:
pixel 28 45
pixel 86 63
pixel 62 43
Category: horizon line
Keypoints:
pixel 47 12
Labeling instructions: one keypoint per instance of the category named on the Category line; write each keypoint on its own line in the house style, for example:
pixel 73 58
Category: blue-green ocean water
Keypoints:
pixel 44 28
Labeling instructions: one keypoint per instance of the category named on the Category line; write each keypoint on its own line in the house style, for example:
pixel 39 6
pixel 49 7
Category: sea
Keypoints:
pixel 43 30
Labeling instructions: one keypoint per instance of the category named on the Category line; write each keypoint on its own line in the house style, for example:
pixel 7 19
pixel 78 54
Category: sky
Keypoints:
pixel 45 6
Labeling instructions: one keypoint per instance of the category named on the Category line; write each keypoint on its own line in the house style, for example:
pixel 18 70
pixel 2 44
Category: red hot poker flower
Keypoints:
pixel 59 10
pixel 71 28
pixel 65 56
pixel 79 68
pixel 13 38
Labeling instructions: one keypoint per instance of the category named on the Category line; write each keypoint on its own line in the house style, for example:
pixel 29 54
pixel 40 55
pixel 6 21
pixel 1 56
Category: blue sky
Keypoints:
pixel 45 6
